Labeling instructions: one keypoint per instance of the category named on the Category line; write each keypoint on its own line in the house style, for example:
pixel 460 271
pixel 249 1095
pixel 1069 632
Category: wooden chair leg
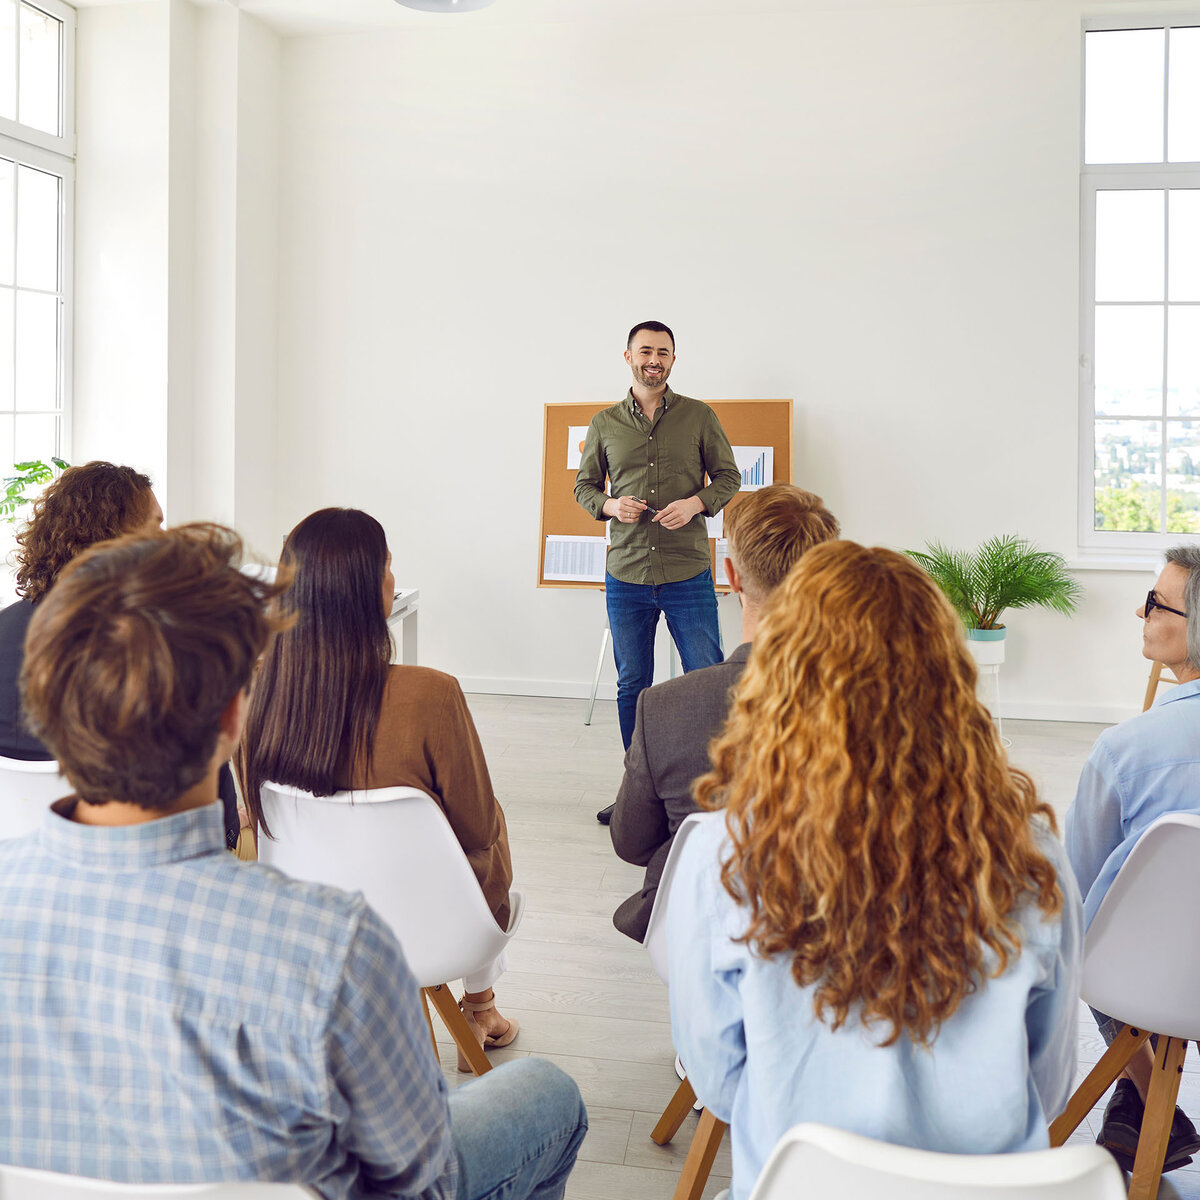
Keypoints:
pixel 444 1001
pixel 1156 1124
pixel 429 1021
pixel 677 1108
pixel 1156 670
pixel 700 1155
pixel 1099 1080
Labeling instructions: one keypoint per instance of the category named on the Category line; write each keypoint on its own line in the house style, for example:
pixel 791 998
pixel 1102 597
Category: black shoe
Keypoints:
pixel 605 815
pixel 1123 1126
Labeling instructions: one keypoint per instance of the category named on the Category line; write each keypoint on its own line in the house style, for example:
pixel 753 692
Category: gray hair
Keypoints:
pixel 1188 557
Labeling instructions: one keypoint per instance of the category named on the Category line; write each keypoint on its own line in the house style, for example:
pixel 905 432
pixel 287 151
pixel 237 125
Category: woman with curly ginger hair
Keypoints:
pixel 880 930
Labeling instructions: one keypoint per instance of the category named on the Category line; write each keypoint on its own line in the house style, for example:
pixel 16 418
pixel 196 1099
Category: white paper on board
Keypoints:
pixel 757 465
pixel 576 435
pixel 716 525
pixel 721 555
pixel 574 559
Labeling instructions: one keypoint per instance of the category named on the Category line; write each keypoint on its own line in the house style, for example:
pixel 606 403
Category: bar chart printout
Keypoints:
pixel 757 465
pixel 574 559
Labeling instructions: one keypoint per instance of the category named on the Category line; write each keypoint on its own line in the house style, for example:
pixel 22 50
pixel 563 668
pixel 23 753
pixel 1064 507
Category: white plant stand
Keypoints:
pixel 989 657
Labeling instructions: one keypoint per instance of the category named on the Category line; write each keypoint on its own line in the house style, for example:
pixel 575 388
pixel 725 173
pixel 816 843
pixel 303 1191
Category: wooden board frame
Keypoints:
pixel 746 423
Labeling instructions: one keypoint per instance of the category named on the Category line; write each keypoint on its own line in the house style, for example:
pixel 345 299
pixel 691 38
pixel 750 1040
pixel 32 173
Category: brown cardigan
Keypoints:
pixel 426 739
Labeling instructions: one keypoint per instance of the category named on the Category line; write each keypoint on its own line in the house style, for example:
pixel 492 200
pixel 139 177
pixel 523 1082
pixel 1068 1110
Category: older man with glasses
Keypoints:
pixel 1138 771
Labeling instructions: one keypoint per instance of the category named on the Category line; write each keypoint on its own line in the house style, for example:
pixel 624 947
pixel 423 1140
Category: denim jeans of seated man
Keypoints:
pixel 516 1131
pixel 690 608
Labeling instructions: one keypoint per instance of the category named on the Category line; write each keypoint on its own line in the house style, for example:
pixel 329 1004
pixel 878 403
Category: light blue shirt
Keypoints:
pixel 171 1015
pixel 759 1059
pixel 1136 772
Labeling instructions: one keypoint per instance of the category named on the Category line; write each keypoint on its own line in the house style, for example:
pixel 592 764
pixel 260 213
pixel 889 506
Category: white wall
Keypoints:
pixel 873 211
pixel 176 259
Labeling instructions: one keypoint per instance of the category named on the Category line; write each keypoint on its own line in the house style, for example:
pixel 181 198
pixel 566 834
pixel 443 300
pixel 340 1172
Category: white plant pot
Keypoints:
pixel 987 652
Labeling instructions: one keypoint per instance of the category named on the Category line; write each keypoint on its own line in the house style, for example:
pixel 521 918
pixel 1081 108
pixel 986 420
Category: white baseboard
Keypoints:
pixel 563 689
pixel 569 689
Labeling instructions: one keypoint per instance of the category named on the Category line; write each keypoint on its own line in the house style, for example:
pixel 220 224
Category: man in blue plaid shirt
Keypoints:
pixel 171 1015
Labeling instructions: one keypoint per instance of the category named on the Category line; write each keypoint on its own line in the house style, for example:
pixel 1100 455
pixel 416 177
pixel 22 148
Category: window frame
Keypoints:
pixel 1095 177
pixel 64 143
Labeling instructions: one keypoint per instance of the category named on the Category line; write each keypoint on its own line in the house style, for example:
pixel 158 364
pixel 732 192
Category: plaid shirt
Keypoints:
pixel 171 1015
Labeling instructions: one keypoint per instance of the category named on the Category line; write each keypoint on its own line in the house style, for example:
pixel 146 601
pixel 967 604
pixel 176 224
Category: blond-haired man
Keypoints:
pixel 768 531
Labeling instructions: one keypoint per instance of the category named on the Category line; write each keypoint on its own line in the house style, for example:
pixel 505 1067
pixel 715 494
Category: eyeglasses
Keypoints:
pixel 1152 602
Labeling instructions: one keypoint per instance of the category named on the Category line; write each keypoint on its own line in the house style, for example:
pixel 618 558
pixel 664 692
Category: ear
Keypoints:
pixel 629 358
pixel 233 717
pixel 731 573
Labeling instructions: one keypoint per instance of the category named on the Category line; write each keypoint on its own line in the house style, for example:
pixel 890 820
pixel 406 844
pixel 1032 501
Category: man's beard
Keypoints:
pixel 651 380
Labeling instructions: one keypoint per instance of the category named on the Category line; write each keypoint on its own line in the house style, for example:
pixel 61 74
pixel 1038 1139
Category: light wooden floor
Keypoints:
pixel 585 994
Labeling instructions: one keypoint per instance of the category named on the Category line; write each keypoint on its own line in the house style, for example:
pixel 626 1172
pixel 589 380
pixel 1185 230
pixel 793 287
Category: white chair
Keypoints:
pixel 27 789
pixel 1134 970
pixel 707 1138
pixel 20 1183
pixel 817 1161
pixel 396 847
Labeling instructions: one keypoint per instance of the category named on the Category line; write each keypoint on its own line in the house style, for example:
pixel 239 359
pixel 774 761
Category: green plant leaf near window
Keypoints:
pixel 29 476
pixel 1005 572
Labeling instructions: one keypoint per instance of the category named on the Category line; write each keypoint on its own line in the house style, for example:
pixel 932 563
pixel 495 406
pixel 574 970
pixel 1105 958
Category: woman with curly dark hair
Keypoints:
pixel 879 929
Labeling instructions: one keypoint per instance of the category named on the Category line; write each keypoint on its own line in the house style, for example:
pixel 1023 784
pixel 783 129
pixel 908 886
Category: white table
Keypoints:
pixel 404 612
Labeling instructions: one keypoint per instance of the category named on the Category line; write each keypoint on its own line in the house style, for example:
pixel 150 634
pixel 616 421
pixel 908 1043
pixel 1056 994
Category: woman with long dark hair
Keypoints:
pixel 330 713
pixel 878 929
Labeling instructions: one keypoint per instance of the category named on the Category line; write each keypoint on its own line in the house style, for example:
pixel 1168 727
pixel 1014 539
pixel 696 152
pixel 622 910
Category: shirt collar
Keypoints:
pixel 190 834
pixel 667 400
pixel 1181 692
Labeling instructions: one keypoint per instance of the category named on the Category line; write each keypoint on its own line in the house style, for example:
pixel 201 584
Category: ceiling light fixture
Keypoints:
pixel 445 6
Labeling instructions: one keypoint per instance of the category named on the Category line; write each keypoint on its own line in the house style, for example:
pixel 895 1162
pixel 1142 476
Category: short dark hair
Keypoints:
pixel 84 505
pixel 134 655
pixel 770 528
pixel 316 702
pixel 654 327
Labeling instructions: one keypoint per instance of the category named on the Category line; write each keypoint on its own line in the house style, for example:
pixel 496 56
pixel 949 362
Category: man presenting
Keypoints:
pixel 655 448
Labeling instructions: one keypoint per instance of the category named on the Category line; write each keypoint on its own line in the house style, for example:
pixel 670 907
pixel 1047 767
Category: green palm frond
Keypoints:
pixel 1005 572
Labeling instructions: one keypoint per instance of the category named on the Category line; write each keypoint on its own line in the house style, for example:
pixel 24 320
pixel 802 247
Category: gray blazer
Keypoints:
pixel 675 722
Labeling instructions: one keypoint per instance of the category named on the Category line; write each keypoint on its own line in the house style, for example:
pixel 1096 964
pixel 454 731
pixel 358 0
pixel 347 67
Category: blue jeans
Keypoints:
pixel 691 611
pixel 516 1131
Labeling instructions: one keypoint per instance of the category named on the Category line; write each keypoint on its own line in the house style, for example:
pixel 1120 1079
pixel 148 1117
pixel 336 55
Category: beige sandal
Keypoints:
pixel 492 1041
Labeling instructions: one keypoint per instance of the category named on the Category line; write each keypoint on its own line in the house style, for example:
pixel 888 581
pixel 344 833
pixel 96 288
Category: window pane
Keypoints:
pixel 37 351
pixel 8 186
pixel 35 437
pixel 1183 96
pixel 1183 244
pixel 37 229
pixel 6 351
pixel 8 59
pixel 1124 96
pixel 1129 245
pixel 1129 361
pixel 1183 477
pixel 1183 362
pixel 1128 489
pixel 41 38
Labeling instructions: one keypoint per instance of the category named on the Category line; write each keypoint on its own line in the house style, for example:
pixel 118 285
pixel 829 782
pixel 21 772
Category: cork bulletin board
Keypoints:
pixel 756 423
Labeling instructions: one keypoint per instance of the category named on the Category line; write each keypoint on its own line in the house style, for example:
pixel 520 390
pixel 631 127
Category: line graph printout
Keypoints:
pixel 757 465
pixel 574 559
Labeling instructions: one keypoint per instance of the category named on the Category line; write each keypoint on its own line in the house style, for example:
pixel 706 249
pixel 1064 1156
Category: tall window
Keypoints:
pixel 1140 460
pixel 37 147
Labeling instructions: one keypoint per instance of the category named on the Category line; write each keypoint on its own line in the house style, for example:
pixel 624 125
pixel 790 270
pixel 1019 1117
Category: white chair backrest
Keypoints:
pixel 1132 968
pixel 27 789
pixel 817 1161
pixel 656 929
pixel 396 847
pixel 19 1183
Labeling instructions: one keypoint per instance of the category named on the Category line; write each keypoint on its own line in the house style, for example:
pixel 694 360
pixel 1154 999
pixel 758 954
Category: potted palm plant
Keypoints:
pixel 1005 572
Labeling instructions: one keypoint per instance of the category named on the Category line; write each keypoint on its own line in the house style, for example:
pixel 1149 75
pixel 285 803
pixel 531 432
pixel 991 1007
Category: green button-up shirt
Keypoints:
pixel 657 462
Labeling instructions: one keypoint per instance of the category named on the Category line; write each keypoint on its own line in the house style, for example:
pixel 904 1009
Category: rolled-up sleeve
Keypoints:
pixel 593 470
pixel 396 1122
pixel 717 456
